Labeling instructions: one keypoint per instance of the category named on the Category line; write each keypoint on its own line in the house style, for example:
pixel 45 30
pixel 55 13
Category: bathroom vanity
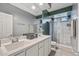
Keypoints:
pixel 40 46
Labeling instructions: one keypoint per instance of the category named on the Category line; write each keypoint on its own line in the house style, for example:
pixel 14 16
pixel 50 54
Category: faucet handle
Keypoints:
pixel 17 38
pixel 11 35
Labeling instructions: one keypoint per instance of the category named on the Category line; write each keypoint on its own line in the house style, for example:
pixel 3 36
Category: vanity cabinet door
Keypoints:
pixel 41 48
pixel 41 51
pixel 29 52
pixel 33 51
pixel 47 46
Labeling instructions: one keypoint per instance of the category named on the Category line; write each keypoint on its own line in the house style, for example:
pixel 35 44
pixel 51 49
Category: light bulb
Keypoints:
pixel 33 7
pixel 40 3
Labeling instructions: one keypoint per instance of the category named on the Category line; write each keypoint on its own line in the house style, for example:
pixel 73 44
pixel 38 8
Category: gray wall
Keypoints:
pixel 21 18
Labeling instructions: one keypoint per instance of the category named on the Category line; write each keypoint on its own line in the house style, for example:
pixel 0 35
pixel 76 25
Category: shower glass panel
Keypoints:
pixel 65 33
pixel 61 31
pixel 56 33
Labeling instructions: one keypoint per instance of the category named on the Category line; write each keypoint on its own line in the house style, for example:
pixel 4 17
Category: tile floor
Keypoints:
pixel 61 51
pixel 64 51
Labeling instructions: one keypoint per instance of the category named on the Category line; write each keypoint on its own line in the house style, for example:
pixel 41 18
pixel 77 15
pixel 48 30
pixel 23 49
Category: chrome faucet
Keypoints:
pixel 15 39
pixel 10 36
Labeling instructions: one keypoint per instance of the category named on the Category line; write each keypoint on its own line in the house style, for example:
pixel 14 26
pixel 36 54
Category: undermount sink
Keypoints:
pixel 16 45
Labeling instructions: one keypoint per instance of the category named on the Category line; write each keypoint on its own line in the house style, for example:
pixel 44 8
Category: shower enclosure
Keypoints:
pixel 62 31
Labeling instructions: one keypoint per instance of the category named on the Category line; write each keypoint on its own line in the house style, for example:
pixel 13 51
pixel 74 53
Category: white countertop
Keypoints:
pixel 26 44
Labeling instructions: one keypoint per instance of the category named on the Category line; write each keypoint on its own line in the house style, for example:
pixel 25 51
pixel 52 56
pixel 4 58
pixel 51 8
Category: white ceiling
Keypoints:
pixel 38 11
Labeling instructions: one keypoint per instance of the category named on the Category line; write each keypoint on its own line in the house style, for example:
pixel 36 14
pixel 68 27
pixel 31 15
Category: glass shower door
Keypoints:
pixel 61 32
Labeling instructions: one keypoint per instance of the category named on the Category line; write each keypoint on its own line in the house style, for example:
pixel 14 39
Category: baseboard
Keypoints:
pixel 65 45
pixel 54 43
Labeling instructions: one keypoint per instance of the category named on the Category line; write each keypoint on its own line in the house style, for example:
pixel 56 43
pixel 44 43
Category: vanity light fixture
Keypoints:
pixel 33 7
pixel 41 4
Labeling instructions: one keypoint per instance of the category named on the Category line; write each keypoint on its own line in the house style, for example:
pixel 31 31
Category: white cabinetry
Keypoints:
pixel 35 50
pixel 32 51
pixel 47 47
pixel 41 51
pixel 42 48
